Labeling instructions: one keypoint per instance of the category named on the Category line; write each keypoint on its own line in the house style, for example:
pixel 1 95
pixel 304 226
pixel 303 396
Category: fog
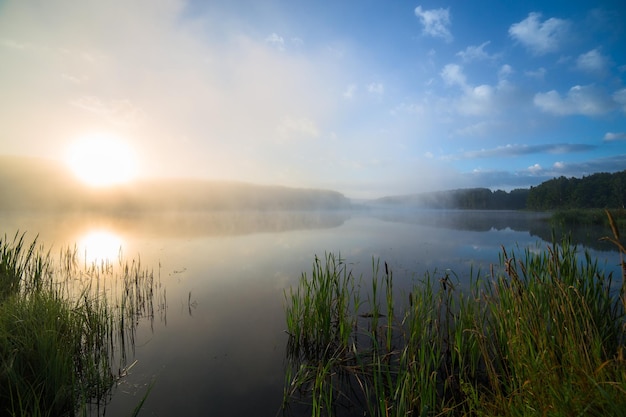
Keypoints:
pixel 54 200
pixel 312 94
pixel 40 185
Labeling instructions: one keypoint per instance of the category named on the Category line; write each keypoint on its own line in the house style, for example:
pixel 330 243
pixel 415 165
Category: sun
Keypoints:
pixel 101 160
pixel 100 245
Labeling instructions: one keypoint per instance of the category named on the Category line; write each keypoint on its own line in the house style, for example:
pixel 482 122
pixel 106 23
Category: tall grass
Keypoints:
pixel 65 330
pixel 540 334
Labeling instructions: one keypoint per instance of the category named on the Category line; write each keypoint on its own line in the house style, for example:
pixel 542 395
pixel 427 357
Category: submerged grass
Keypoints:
pixel 65 330
pixel 542 334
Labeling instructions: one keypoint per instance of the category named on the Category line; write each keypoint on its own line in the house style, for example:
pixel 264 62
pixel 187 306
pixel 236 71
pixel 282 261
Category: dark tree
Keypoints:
pixel 601 190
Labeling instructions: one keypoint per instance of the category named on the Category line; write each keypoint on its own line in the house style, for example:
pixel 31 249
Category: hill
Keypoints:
pixel 39 184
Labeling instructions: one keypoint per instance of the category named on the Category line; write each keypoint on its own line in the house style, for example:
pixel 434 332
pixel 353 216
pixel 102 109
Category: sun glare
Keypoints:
pixel 101 160
pixel 100 245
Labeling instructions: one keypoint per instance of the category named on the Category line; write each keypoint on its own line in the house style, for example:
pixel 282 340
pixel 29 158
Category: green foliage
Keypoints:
pixel 544 334
pixel 20 267
pixel 63 339
pixel 320 311
pixel 599 190
pixel 52 359
pixel 485 199
pixel 553 335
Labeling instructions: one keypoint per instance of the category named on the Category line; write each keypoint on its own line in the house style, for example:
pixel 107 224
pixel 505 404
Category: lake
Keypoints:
pixel 220 348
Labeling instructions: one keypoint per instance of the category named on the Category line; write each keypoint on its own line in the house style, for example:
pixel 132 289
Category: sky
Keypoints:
pixel 367 97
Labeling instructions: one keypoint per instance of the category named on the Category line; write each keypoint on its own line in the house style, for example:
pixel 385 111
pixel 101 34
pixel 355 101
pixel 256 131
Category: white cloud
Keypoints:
pixel 75 78
pixel 587 100
pixel 349 91
pixel 291 128
pixel 505 71
pixel 558 165
pixel 475 100
pixel 540 37
pixel 477 129
pixel 10 43
pixel 620 98
pixel 475 53
pixel 376 88
pixel 119 112
pixel 613 163
pixel 515 150
pixel 297 42
pixel 535 169
pixel 409 108
pixel 436 22
pixel 276 41
pixel 452 74
pixel 478 100
pixel 539 73
pixel 247 111
pixel 611 136
pixel 593 62
pixel 157 78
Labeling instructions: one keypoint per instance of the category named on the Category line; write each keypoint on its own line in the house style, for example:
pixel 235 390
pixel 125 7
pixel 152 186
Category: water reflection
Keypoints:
pixel 227 358
pixel 100 245
pixel 229 223
pixel 538 224
pixel 471 220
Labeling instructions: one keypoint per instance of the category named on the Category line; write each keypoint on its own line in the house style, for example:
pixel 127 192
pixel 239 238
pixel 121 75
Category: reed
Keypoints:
pixel 320 312
pixel 542 333
pixel 66 330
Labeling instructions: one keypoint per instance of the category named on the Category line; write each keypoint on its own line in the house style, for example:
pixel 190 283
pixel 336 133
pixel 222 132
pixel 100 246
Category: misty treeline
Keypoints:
pixel 601 190
pixel 468 198
pixel 36 184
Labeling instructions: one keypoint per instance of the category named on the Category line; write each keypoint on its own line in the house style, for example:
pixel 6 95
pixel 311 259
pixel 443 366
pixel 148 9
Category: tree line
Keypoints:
pixel 601 190
pixel 467 198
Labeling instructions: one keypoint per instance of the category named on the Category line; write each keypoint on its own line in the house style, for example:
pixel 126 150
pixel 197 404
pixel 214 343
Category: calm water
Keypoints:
pixel 221 349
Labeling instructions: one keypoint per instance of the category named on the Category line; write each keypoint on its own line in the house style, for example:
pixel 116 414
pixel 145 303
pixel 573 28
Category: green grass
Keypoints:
pixel 542 333
pixel 65 330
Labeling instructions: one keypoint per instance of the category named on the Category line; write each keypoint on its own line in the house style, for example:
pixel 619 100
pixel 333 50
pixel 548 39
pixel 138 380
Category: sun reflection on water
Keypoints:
pixel 100 245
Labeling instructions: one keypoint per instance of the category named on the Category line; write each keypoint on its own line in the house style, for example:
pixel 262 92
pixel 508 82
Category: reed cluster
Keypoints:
pixel 65 328
pixel 542 333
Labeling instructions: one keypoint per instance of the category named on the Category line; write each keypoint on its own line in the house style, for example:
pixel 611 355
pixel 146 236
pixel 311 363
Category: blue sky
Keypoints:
pixel 369 98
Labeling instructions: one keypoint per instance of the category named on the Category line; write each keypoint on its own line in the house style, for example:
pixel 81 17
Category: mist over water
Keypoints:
pixel 191 138
pixel 226 252
pixel 220 351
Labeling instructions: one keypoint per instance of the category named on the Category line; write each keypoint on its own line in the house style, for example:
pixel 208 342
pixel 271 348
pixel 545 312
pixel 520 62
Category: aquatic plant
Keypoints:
pixel 65 330
pixel 542 333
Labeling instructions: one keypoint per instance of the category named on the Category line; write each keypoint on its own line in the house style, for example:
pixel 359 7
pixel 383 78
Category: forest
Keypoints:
pixel 601 190
pixel 36 184
pixel 466 198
